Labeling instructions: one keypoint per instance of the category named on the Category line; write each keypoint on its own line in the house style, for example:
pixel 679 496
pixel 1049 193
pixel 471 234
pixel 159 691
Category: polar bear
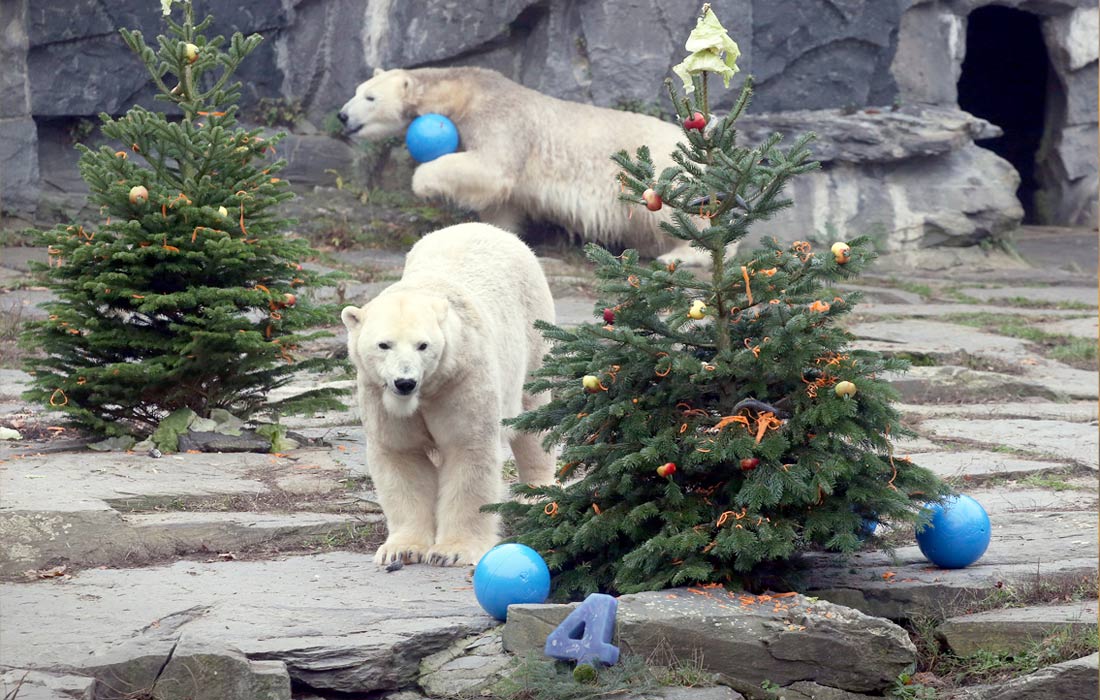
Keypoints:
pixel 441 358
pixel 524 153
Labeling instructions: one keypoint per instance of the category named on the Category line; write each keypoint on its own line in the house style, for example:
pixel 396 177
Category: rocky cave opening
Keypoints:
pixel 1004 80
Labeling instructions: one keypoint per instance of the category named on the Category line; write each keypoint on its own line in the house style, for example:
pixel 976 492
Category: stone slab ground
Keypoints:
pixel 214 583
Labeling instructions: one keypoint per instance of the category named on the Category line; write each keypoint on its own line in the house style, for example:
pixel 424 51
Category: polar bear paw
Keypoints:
pixel 407 550
pixel 456 553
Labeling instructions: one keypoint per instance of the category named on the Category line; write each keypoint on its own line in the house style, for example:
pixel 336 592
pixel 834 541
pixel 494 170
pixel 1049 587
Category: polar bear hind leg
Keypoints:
pixel 534 465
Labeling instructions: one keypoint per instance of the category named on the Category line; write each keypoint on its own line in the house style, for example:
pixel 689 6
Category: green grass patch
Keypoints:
pixel 915 359
pixel 1063 643
pixel 21 238
pixel 940 670
pixel 1072 350
pixel 1029 303
pixel 1053 483
pixel 924 290
pixel 536 677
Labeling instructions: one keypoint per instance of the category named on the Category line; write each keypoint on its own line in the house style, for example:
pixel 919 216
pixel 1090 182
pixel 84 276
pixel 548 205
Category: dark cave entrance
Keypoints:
pixel 1004 80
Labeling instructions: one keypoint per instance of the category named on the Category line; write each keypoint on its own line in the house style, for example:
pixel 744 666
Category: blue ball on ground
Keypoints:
pixel 958 533
pixel 510 574
pixel 430 136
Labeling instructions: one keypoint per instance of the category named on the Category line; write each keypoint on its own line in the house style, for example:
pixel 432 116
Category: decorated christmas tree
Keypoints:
pixel 711 423
pixel 187 293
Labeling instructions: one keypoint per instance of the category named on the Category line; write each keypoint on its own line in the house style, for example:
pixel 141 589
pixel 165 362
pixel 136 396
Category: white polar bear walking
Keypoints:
pixel 441 358
pixel 524 153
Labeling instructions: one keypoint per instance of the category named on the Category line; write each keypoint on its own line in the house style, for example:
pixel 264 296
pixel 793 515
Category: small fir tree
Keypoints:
pixel 713 423
pixel 186 294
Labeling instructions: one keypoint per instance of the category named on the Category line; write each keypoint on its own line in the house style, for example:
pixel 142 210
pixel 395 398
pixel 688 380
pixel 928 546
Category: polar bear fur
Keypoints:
pixel 459 327
pixel 523 153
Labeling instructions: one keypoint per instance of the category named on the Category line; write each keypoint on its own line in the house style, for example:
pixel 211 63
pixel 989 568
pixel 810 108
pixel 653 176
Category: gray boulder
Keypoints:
pixel 189 669
pixel 745 639
pixel 959 198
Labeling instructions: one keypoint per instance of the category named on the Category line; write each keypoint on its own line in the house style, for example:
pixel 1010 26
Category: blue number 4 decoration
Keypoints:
pixel 585 636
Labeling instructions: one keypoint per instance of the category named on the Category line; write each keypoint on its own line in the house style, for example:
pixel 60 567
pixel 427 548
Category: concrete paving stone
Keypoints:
pixel 75 480
pixel 13 383
pixel 868 310
pixel 230 532
pixel 1075 441
pixel 34 541
pixel 1074 412
pixel 934 338
pixel 1055 250
pixel 895 586
pixel 979 463
pixel 907 445
pixel 1012 497
pixel 25 301
pixel 951 384
pixel 949 342
pixel 883 295
pixel 1012 630
pixel 1053 294
pixel 1078 327
pixel 337 620
pixel 18 258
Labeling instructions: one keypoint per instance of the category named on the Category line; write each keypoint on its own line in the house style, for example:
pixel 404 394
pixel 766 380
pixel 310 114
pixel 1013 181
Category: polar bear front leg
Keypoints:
pixel 464 178
pixel 406 483
pixel 469 477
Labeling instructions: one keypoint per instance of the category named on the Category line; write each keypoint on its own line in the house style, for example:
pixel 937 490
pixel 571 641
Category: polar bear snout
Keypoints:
pixel 404 386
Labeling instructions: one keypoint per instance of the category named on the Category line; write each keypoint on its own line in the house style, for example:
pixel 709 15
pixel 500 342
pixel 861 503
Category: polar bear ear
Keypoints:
pixel 352 317
pixel 378 72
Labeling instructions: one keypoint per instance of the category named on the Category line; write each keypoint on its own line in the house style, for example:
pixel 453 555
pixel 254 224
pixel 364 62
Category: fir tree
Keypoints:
pixel 186 294
pixel 717 422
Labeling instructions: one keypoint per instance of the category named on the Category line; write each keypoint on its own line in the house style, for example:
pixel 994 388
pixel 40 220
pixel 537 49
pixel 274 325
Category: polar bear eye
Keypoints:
pixel 422 347
pixel 383 346
pixel 369 98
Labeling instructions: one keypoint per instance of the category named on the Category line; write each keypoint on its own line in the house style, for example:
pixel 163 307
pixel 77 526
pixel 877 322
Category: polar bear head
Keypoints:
pixel 396 343
pixel 380 107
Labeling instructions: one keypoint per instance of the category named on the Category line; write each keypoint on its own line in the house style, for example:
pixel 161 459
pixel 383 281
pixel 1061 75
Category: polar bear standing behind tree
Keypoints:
pixel 441 358
pixel 524 154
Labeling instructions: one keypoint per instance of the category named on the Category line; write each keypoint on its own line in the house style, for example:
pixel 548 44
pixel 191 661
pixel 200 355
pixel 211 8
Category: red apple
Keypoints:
pixel 666 469
pixel 608 315
pixel 652 199
pixel 749 463
pixel 695 121
pixel 290 299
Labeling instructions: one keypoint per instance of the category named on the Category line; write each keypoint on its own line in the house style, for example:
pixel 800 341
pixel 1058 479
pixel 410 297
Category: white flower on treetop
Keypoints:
pixel 712 50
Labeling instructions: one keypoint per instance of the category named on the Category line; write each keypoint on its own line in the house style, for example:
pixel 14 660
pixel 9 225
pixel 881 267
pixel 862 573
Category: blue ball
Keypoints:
pixel 430 136
pixel 510 574
pixel 957 535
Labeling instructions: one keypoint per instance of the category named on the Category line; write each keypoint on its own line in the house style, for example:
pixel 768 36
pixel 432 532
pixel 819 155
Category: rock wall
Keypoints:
pixel 64 60
pixel 930 52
